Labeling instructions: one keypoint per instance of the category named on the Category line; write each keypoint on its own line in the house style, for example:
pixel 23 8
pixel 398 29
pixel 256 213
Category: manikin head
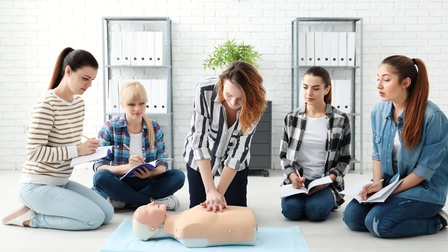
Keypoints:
pixel 148 219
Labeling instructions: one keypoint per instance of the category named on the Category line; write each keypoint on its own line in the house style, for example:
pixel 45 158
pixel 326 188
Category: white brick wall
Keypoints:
pixel 32 33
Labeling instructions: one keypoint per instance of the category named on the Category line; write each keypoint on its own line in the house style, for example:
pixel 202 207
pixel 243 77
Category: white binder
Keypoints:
pixel 163 96
pixel 302 49
pixel 326 48
pixel 115 48
pixel 351 47
pixel 113 98
pixel 138 48
pixel 120 85
pixel 334 49
pixel 150 57
pixel 158 48
pixel 126 48
pixel 154 97
pixel 310 48
pixel 342 48
pixel 346 101
pixel 147 85
pixel 318 46
pixel 335 101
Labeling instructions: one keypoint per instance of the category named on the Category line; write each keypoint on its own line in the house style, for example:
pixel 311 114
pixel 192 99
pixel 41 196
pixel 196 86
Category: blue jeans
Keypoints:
pixel 70 207
pixel 316 207
pixel 396 217
pixel 137 192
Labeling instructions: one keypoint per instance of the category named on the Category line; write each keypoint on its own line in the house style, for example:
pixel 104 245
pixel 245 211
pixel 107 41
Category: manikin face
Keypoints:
pixel 233 94
pixel 134 110
pixel 389 87
pixel 151 214
pixel 80 80
pixel 313 89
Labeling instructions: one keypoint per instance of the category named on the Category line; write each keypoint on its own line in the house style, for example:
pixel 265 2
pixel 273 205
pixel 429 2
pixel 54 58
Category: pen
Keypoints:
pixel 298 174
pixel 86 137
pixel 133 153
pixel 129 149
pixel 376 183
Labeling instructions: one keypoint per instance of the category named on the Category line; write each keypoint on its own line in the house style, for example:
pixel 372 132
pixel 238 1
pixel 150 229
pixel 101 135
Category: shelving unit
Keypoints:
pixel 139 48
pixel 261 147
pixel 313 44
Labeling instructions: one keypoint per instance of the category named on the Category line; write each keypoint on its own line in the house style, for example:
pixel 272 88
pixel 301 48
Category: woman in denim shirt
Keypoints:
pixel 410 143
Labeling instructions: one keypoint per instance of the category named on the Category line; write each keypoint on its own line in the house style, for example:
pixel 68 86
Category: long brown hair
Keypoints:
pixel 251 82
pixel 418 92
pixel 133 91
pixel 73 58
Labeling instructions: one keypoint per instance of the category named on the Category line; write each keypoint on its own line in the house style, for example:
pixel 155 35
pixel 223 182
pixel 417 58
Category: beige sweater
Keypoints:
pixel 55 130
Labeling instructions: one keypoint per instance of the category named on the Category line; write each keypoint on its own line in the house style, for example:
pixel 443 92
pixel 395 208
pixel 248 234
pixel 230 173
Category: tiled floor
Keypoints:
pixel 263 198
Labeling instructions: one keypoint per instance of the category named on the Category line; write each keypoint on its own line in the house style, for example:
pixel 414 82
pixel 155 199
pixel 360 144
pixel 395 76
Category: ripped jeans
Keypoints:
pixel 396 217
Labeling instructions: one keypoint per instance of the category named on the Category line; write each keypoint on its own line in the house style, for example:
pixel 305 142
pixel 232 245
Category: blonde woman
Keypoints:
pixel 136 139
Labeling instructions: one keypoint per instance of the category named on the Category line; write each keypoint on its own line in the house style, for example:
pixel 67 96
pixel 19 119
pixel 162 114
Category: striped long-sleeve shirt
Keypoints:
pixel 211 138
pixel 55 130
pixel 337 147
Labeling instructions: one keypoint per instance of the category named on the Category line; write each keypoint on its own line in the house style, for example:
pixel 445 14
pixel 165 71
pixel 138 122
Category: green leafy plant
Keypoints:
pixel 231 51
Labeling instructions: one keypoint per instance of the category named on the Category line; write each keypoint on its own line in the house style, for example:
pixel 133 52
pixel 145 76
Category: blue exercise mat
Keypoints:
pixel 268 238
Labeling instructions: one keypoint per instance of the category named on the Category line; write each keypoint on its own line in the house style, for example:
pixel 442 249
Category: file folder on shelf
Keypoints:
pixel 334 50
pixel 310 48
pixel 113 96
pixel 116 57
pixel 342 48
pixel 318 47
pixel 351 48
pixel 158 48
pixel 302 49
pixel 150 58
pixel 326 48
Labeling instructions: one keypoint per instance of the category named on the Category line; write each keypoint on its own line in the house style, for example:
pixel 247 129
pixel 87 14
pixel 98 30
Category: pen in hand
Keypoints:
pixel 376 183
pixel 132 152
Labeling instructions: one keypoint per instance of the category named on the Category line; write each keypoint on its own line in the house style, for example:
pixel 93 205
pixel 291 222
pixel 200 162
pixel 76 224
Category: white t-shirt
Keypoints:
pixel 312 150
pixel 136 141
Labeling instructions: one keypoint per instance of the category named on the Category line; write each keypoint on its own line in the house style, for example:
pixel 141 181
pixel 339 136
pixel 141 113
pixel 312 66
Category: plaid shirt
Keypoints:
pixel 115 133
pixel 338 146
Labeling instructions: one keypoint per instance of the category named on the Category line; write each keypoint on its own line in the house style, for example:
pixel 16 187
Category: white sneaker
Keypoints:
pixel 116 204
pixel 443 217
pixel 171 202
pixel 19 216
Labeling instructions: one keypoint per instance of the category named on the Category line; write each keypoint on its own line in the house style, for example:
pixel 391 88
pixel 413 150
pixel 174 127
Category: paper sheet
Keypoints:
pixel 100 152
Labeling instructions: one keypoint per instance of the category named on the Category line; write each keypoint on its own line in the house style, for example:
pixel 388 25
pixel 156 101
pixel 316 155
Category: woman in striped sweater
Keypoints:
pixel 50 199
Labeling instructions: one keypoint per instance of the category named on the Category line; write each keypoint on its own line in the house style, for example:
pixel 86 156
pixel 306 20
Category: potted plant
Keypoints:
pixel 230 51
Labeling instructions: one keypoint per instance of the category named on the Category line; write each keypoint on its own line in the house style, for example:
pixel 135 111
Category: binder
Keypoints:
pixel 138 48
pixel 113 98
pixel 337 94
pixel 126 48
pixel 154 96
pixel 120 85
pixel 163 96
pixel 302 49
pixel 158 48
pixel 310 48
pixel 147 85
pixel 326 48
pixel 342 48
pixel 351 48
pixel 334 49
pixel 346 101
pixel 150 58
pixel 318 46
pixel 115 48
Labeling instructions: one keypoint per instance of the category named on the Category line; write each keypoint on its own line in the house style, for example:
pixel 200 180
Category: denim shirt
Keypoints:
pixel 428 160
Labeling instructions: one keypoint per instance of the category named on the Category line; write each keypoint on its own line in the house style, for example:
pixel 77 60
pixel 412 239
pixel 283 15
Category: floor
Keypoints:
pixel 263 198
